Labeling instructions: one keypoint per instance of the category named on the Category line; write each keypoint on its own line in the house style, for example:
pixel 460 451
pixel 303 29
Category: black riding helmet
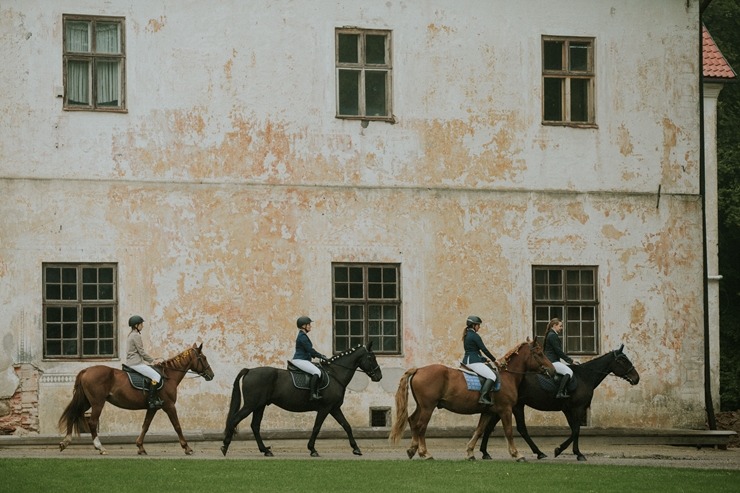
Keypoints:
pixel 135 320
pixel 303 321
pixel 472 320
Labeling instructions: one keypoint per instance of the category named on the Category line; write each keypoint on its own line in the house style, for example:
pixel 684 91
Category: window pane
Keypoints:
pixel 389 291
pixel 375 291
pixel 553 99
pixel 375 49
pixel 579 100
pixel 105 275
pixel 375 93
pixel 349 92
pixel 77 36
pixel 89 275
pixel 107 83
pixel 355 291
pixel 579 57
pixel 553 56
pixel 78 82
pixel 89 292
pixel 341 274
pixel 348 44
pixel 53 348
pixel 356 274
pixel 374 274
pixel 107 39
pixel 69 292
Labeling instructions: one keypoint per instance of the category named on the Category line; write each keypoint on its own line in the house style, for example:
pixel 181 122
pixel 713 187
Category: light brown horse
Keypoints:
pixel 99 384
pixel 439 386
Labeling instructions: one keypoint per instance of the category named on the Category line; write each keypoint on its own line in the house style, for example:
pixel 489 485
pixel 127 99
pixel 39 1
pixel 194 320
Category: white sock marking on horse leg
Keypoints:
pixel 97 443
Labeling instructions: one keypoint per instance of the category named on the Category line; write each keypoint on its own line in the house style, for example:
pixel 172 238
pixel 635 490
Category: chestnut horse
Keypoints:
pixel 98 384
pixel 439 386
pixel 588 376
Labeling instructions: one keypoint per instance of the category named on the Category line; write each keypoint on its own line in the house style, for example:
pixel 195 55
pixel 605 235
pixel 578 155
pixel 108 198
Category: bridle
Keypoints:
pixel 505 365
pixel 370 373
pixel 200 360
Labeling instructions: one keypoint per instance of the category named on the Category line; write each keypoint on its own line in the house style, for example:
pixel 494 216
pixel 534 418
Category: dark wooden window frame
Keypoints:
pixel 568 76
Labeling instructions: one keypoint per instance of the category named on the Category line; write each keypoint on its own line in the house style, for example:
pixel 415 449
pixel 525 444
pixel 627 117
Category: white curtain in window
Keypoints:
pixel 107 41
pixel 78 85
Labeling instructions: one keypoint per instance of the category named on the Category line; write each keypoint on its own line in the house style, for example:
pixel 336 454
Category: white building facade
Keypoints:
pixel 386 168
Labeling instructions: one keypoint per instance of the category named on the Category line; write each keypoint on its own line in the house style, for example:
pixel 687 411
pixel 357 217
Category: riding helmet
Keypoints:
pixel 303 321
pixel 135 320
pixel 472 320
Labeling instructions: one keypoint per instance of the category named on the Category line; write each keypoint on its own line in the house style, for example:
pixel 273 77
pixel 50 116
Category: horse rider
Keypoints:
pixel 304 351
pixel 137 357
pixel 554 351
pixel 473 345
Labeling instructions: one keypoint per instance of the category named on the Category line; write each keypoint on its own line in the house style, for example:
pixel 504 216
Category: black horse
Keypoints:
pixel 587 377
pixel 266 385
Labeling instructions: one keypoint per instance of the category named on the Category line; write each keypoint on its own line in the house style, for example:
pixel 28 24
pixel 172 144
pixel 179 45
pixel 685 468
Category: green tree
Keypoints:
pixel 722 19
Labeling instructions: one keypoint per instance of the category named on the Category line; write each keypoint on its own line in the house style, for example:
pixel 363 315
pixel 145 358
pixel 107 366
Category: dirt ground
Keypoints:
pixel 595 449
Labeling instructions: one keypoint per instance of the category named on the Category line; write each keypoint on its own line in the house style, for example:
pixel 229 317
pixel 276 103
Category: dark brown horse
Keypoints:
pixel 99 384
pixel 588 376
pixel 438 386
pixel 267 385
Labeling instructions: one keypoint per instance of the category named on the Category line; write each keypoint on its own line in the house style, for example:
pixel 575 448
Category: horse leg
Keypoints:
pixel 94 420
pixel 506 423
pixel 487 434
pixel 521 427
pixel 231 425
pixel 171 411
pixel 338 415
pixel 479 429
pixel 413 419
pixel 256 423
pixel 422 421
pixel 144 428
pixel 574 421
pixel 320 417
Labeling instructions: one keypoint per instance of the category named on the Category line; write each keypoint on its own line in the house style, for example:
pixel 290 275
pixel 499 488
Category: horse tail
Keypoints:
pixel 73 416
pixel 402 403
pixel 236 399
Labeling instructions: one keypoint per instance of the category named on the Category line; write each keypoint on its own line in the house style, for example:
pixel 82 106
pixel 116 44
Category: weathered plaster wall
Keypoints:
pixel 228 188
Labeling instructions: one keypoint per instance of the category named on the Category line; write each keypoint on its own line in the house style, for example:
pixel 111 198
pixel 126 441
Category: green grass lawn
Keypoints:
pixel 327 476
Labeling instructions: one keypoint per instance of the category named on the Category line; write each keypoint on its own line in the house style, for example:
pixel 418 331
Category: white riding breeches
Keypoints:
pixel 562 368
pixel 306 366
pixel 483 370
pixel 148 372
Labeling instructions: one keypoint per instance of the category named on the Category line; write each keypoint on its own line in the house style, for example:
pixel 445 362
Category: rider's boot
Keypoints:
pixel 562 392
pixel 484 398
pixel 315 396
pixel 153 401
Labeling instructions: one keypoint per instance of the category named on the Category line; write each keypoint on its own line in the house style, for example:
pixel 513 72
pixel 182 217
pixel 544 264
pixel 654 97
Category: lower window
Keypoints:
pixel 569 293
pixel 79 307
pixel 366 302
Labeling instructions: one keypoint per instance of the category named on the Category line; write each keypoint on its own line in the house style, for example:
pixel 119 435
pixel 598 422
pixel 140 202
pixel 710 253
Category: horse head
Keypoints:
pixel 623 367
pixel 200 365
pixel 538 354
pixel 370 365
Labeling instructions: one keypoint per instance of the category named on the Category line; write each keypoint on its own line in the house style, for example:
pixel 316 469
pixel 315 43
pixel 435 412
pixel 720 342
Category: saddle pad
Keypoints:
pixel 302 380
pixel 473 380
pixel 551 385
pixel 139 381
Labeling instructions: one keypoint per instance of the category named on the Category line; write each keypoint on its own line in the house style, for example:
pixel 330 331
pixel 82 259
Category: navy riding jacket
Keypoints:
pixel 304 348
pixel 473 345
pixel 554 348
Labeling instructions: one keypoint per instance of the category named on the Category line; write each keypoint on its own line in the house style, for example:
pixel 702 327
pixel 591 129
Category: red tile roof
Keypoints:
pixel 715 65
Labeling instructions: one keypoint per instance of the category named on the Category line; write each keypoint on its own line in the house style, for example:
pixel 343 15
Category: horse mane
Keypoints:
pixel 514 351
pixel 344 353
pixel 176 360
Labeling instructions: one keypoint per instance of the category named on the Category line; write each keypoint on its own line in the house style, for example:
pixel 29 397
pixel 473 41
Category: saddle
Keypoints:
pixel 302 380
pixel 550 385
pixel 139 381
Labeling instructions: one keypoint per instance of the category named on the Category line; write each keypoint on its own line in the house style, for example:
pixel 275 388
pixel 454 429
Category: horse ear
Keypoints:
pixel 620 348
pixel 370 346
pixel 200 348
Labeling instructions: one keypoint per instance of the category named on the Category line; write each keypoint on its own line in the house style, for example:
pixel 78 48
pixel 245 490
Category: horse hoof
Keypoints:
pixel 224 449
pixel 487 456
pixel 522 459
pixel 189 452
pixel 411 453
pixel 140 452
pixel 541 456
pixel 268 453
pixel 315 454
pixel 471 458
pixel 62 446
pixel 581 458
pixel 103 452
pixel 557 451
pixel 357 451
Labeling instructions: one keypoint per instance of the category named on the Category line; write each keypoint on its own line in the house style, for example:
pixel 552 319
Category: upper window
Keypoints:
pixel 570 294
pixel 366 303
pixel 364 70
pixel 94 63
pixel 80 304
pixel 568 80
